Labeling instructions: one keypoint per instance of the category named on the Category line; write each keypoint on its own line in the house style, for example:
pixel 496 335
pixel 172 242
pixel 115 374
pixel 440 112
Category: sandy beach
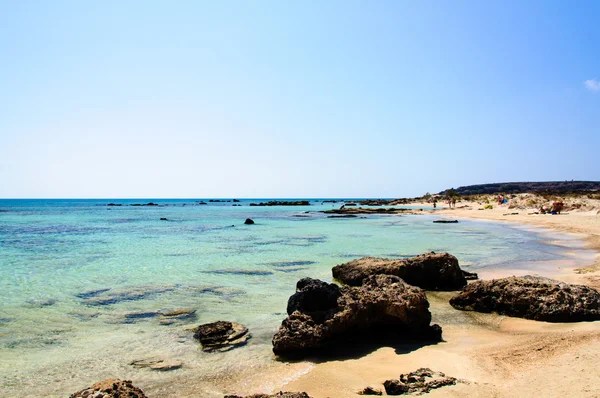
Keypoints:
pixel 495 356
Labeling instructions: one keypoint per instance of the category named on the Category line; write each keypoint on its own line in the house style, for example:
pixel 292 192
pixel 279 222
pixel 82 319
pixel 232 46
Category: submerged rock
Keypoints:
pixel 221 335
pixel 280 394
pixel 172 316
pixel 155 363
pixel 430 271
pixel 321 313
pixel 249 221
pixel 418 382
pixel 108 296
pixel 445 221
pixel 531 297
pixel 111 388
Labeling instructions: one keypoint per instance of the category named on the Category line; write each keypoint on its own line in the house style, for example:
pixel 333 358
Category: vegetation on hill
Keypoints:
pixel 545 187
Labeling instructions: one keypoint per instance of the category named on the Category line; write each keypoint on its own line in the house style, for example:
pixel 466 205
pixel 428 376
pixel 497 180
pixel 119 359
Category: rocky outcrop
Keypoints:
pixel 445 221
pixel 249 221
pixel 221 335
pixel 111 388
pixel 531 297
pixel 361 210
pixel 280 394
pixel 418 382
pixel 282 203
pixel 321 314
pixel 430 271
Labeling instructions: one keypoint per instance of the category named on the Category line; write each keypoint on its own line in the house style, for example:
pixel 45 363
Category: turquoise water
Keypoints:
pixel 72 272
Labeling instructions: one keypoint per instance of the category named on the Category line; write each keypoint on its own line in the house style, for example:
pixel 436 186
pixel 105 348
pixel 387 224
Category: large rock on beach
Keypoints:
pixel 430 271
pixel 531 297
pixel 321 314
pixel 221 335
pixel 111 388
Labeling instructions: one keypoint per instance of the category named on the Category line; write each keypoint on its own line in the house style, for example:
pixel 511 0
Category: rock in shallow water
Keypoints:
pixel 221 335
pixel 430 271
pixel 321 313
pixel 111 388
pixel 155 363
pixel 531 297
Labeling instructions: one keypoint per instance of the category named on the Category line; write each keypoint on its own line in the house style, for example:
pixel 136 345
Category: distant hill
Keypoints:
pixel 548 187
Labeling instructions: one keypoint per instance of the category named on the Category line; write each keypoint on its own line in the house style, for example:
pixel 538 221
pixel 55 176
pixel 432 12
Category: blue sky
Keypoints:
pixel 294 99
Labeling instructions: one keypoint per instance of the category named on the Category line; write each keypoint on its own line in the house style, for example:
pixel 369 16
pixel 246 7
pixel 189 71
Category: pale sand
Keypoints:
pixel 498 356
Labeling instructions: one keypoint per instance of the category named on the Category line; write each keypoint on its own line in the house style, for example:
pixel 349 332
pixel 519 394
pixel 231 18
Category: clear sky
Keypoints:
pixel 294 98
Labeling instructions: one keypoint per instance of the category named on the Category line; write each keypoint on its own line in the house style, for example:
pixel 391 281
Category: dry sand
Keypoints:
pixel 497 356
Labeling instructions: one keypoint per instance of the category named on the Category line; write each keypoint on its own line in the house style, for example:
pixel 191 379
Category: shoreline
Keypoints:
pixel 496 355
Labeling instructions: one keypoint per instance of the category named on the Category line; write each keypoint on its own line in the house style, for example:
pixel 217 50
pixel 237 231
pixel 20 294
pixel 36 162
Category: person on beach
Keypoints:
pixel 454 203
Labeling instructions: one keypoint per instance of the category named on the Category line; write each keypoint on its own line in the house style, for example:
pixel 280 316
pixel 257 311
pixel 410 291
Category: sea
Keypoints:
pixel 83 282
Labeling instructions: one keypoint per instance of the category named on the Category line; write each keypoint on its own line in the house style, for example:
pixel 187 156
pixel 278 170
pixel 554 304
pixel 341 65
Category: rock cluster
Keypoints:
pixel 430 271
pixel 531 297
pixel 111 388
pixel 282 203
pixel 418 382
pixel 221 335
pixel 321 313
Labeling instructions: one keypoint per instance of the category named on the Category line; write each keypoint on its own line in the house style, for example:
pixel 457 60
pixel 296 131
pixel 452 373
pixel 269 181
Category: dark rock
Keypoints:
pixel 283 203
pixel 320 313
pixel 418 382
pixel 445 221
pixel 369 391
pixel 470 276
pixel 131 317
pixel 280 264
pixel 115 296
pixel 202 203
pixel 429 271
pixel 236 201
pixel 395 387
pixel 531 297
pixel 221 335
pixel 114 204
pixel 280 394
pixel 249 221
pixel 233 271
pixel 362 210
pixel 344 216
pixel 163 219
pixel 111 388
pixel 91 293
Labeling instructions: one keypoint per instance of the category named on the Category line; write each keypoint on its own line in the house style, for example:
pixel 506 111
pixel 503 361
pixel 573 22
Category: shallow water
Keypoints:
pixel 81 282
